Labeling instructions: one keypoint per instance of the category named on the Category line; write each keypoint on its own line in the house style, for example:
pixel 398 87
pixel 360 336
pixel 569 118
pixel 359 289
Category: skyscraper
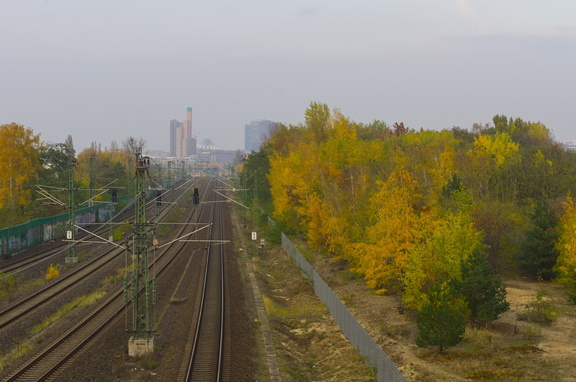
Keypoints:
pixel 182 143
pixel 189 140
pixel 256 132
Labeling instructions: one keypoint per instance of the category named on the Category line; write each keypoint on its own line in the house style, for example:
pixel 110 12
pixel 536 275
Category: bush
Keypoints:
pixel 52 272
pixel 540 310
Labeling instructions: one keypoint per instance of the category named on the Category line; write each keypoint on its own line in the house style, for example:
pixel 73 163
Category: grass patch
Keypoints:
pixel 121 230
pixel 80 302
pixel 279 311
pixel 19 351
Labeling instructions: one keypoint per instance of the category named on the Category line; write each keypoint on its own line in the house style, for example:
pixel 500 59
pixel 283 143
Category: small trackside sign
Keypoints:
pixel 254 236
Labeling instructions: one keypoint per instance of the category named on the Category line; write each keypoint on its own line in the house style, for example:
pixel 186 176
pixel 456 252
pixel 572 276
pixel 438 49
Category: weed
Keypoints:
pixel 533 332
pixel 9 358
pixel 348 297
pixel 121 230
pixel 487 375
pixel 8 285
pixel 525 348
pixel 540 310
pixel 52 272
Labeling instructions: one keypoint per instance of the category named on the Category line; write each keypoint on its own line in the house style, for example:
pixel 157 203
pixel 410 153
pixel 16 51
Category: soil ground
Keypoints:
pixel 311 347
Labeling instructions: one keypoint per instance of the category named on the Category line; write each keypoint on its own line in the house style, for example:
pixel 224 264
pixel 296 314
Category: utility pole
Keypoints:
pixel 142 289
pixel 71 258
pixel 91 186
pixel 170 180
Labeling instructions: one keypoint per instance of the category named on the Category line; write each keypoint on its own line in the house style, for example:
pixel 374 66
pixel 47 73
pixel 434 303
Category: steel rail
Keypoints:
pixel 206 359
pixel 58 353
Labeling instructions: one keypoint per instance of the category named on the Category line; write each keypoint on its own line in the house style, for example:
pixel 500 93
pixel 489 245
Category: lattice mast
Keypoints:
pixel 141 286
pixel 71 231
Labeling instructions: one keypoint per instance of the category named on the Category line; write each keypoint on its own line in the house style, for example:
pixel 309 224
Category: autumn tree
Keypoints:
pixel 398 226
pixel 390 199
pixel 317 120
pixel 109 168
pixel 375 130
pixel 400 129
pixel 19 163
pixel 487 168
pixel 565 266
pixel 440 255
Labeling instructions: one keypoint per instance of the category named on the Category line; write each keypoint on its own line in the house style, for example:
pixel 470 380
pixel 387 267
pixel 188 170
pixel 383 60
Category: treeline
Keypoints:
pixel 408 208
pixel 26 162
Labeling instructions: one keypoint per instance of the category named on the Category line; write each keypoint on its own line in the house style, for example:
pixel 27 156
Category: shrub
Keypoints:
pixel 52 272
pixel 540 310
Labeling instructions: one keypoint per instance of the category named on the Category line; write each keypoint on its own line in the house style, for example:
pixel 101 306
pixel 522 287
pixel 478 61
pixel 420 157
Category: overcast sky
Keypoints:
pixel 104 70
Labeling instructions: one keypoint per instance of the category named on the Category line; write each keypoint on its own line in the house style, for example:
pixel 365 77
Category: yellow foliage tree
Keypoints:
pixel 398 226
pixel 489 158
pixel 18 162
pixel 439 255
pixel 565 266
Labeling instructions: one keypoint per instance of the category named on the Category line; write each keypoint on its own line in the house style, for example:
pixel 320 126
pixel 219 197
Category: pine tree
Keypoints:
pixel 539 254
pixel 441 321
pixel 482 290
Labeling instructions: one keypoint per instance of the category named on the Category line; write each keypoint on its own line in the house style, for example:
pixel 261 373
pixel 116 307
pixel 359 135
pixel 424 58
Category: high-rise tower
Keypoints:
pixel 189 141
pixel 182 143
pixel 256 132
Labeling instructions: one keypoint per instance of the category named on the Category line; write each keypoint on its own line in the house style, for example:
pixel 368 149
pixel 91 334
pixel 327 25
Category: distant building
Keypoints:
pixel 182 143
pixel 570 145
pixel 256 132
pixel 209 152
pixel 175 138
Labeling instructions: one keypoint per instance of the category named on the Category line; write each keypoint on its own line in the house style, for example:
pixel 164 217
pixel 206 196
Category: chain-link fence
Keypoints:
pixel 383 367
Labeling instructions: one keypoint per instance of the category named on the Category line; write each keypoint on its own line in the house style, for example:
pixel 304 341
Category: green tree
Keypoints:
pixel 441 321
pixel 55 161
pixel 539 254
pixel 254 170
pixel 482 290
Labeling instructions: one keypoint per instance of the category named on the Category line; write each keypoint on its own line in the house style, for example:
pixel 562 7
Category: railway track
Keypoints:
pixel 22 307
pixel 22 261
pixel 205 361
pixel 46 364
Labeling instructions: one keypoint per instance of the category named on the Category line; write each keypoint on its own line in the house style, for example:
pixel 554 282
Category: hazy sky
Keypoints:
pixel 104 70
